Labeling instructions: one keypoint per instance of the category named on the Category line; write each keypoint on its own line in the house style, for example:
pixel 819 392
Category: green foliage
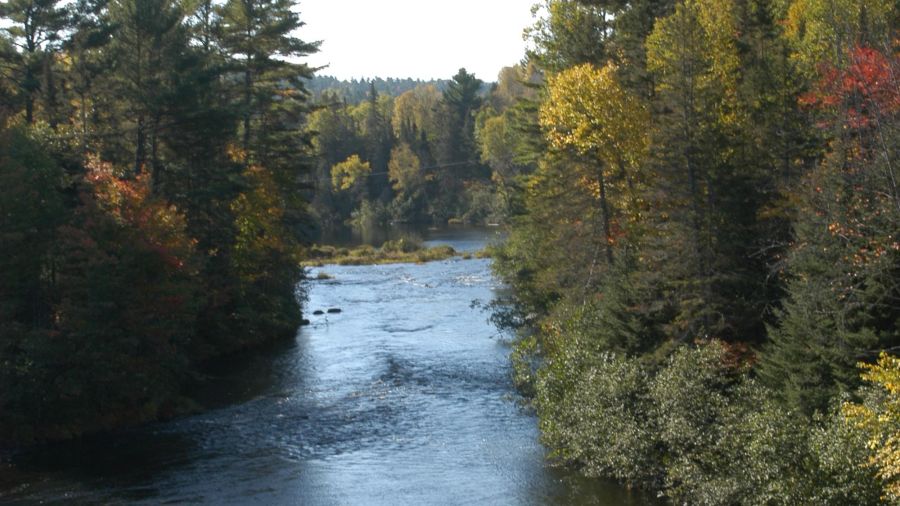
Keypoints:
pixel 573 32
pixel 691 398
pixel 594 413
pixel 391 252
pixel 823 31
pixel 124 286
pixel 152 210
pixel 695 427
pixel 35 27
pixel 434 155
pixel 756 212
pixel 842 271
pixel 30 211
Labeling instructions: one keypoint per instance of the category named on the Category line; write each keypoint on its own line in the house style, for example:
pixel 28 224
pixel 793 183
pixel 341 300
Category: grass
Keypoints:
pixel 391 252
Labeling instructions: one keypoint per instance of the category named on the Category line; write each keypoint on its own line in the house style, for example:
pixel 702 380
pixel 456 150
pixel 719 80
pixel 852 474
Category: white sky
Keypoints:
pixel 426 39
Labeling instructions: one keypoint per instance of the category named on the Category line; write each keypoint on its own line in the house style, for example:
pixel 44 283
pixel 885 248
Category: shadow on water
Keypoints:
pixel 123 465
pixel 243 376
pixel 122 461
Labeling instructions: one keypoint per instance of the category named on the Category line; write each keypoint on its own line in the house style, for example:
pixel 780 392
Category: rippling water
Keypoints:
pixel 402 398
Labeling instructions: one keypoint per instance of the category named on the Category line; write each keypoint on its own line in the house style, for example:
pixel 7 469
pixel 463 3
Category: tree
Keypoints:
pixel 823 32
pixel 415 114
pixel 589 113
pixel 711 176
pixel 573 32
pixel 91 31
pixel 405 171
pixel 147 44
pixel 31 209
pixel 460 101
pixel 879 418
pixel 376 130
pixel 842 297
pixel 36 31
pixel 259 34
pixel 350 174
pixel 409 181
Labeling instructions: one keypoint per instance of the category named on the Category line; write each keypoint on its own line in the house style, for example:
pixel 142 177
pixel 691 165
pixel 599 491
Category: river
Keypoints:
pixel 402 398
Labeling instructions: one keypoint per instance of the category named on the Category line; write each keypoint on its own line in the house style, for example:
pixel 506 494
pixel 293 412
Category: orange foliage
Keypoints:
pixel 159 225
pixel 867 87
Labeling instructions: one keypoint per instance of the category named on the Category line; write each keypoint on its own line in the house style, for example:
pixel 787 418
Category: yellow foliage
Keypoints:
pixel 880 421
pixel 697 48
pixel 349 172
pixel 588 112
pixel 821 31
pixel 417 107
pixel 259 214
pixel 404 170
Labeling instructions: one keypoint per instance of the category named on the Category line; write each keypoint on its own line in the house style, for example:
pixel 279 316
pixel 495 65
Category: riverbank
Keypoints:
pixel 391 252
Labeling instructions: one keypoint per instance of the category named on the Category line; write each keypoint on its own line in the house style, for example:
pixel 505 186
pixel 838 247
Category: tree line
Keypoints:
pixel 704 245
pixel 430 154
pixel 152 166
pixel 356 91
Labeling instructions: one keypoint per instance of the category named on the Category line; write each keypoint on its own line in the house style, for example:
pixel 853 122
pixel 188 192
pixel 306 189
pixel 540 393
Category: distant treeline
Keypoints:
pixel 356 91
pixel 434 152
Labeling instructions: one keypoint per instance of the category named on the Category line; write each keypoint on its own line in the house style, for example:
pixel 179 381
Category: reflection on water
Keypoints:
pixel 403 398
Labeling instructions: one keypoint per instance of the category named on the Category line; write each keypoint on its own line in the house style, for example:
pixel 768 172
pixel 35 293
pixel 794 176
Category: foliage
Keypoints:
pixel 879 419
pixel 151 157
pixel 349 173
pixel 842 288
pixel 734 160
pixel 424 150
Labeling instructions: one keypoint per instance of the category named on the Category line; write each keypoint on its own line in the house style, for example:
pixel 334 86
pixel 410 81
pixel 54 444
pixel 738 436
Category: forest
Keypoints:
pixel 700 197
pixel 704 247
pixel 152 217
pixel 426 152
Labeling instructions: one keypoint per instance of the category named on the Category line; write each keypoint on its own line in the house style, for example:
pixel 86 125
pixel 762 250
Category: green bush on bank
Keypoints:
pixel 696 428
pixel 397 251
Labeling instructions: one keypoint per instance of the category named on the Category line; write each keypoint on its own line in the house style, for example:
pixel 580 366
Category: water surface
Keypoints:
pixel 403 398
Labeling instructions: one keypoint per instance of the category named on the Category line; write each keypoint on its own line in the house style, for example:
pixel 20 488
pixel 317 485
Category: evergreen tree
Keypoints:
pixel 258 34
pixel 36 31
pixel 842 303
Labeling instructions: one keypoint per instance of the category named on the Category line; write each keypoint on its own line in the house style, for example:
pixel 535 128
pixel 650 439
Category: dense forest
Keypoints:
pixel 704 246
pixel 702 208
pixel 413 152
pixel 152 164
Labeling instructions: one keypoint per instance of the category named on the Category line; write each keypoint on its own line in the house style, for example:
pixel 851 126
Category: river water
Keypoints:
pixel 402 398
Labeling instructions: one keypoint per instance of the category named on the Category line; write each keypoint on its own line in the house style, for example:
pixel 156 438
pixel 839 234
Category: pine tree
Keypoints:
pixel 258 35
pixel 843 301
pixel 36 30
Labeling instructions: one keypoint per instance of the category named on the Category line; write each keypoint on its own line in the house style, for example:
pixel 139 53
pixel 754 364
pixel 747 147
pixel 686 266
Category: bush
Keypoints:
pixel 698 429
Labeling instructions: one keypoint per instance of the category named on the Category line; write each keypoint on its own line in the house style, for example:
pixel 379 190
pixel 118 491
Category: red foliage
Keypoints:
pixel 868 89
pixel 157 225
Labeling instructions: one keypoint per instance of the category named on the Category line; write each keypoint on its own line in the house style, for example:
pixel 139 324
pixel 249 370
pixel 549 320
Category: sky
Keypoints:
pixel 424 39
